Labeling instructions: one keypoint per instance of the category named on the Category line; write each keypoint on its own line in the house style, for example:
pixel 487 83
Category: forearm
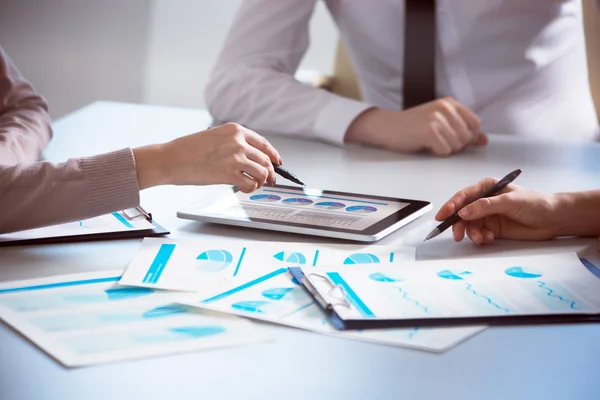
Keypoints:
pixel 151 164
pixel 253 82
pixel 580 213
pixel 43 193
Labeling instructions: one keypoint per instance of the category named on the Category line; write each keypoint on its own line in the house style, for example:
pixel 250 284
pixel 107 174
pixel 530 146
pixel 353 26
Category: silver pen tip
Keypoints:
pixel 432 234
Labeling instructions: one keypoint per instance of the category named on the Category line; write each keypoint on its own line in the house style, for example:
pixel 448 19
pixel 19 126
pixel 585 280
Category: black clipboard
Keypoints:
pixel 329 301
pixel 130 214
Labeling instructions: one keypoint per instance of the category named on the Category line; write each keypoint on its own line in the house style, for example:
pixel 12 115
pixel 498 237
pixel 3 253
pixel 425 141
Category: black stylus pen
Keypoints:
pixel 454 218
pixel 288 175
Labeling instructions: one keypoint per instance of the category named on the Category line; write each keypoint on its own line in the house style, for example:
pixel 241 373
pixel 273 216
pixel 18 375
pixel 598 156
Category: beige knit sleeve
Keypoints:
pixel 43 193
pixel 35 194
pixel 24 121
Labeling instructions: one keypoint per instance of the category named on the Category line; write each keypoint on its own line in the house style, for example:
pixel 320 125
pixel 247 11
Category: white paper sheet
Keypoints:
pixel 277 297
pixel 87 319
pixel 485 287
pixel 203 265
pixel 109 223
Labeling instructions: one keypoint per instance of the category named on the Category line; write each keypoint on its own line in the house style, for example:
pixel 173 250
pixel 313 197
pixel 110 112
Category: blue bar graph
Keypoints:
pixel 160 262
pixel 239 263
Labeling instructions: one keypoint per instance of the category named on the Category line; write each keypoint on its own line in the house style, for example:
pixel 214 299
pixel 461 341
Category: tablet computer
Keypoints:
pixel 341 215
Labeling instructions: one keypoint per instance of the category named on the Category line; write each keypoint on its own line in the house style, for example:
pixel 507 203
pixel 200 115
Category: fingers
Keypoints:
pixel 458 230
pixel 262 144
pixel 438 144
pixel 457 121
pixel 464 197
pixel 447 130
pixel 504 204
pixel 471 119
pixel 245 183
pixel 452 127
pixel 255 171
pixel 480 140
pixel 263 160
pixel 479 234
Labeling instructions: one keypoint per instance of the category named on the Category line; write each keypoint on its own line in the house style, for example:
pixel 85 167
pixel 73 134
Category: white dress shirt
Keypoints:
pixel 519 64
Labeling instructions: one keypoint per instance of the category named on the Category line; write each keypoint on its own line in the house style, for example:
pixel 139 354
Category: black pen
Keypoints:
pixel 288 175
pixel 454 218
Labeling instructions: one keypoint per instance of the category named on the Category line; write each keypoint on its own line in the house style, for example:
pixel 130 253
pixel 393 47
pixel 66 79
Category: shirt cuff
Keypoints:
pixel 333 122
pixel 111 182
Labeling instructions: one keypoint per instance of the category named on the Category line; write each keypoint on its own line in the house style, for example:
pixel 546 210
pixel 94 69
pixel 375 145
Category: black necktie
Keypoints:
pixel 419 52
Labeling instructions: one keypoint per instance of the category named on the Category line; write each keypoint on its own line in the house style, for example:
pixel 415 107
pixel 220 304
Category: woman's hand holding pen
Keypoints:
pixel 227 154
pixel 515 213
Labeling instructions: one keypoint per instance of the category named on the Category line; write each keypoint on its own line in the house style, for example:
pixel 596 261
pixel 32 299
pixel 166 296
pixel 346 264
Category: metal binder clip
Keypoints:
pixel 339 297
pixel 137 213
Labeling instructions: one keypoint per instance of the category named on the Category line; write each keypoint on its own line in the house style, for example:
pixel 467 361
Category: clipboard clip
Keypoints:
pixel 335 296
pixel 137 213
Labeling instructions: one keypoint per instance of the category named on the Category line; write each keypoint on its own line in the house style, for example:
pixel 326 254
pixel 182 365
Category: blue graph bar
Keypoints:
pixel 237 267
pixel 60 284
pixel 122 220
pixel 160 262
pixel 316 257
pixel 351 295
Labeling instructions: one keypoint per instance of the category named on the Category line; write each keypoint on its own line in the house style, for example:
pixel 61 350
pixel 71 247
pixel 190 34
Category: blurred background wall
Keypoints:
pixel 146 51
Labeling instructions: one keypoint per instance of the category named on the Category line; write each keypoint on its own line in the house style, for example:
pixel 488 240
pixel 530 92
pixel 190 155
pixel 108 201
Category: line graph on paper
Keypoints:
pixel 557 297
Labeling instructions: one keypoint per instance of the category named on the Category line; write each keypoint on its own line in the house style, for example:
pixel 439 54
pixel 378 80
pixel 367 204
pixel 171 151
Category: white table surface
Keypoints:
pixel 533 362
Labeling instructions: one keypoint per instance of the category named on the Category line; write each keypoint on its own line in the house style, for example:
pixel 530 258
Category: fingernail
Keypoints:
pixel 280 161
pixel 465 212
pixel 489 236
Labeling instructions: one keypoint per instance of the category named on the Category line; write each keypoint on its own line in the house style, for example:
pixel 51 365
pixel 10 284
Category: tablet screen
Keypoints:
pixel 307 207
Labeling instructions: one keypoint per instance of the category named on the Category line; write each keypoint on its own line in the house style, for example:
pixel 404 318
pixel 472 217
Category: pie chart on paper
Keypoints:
pixel 361 258
pixel 214 260
pixel 293 258
pixel 520 272
pixel 456 276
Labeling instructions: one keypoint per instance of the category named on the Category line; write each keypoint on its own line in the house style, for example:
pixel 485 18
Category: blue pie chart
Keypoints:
pixel 330 205
pixel 361 209
pixel 276 293
pixel 298 201
pixel 164 311
pixel 520 272
pixel 250 306
pixel 361 258
pixel 215 260
pixel 265 197
pixel 380 277
pixel 293 258
pixel 447 274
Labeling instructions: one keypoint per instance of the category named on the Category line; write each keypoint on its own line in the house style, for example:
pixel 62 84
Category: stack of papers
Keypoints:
pixel 186 295
pixel 87 319
pixel 252 280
